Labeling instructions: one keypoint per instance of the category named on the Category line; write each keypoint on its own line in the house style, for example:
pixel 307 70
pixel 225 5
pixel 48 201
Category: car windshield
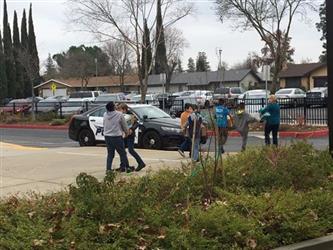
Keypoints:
pixel 256 96
pixel 150 112
pixel 236 91
pixel 284 92
pixel 222 91
pixel 81 95
pixel 107 98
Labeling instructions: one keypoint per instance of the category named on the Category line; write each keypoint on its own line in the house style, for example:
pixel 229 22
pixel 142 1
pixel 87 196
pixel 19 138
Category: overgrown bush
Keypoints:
pixel 273 197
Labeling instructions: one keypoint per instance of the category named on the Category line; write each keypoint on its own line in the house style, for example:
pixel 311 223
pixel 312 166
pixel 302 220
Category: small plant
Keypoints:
pixel 58 122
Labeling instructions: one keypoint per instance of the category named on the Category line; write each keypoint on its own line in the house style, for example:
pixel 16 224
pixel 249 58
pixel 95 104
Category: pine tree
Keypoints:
pixel 161 61
pixel 25 50
pixel 51 70
pixel 202 65
pixel 16 53
pixel 190 65
pixel 322 27
pixel 3 77
pixel 9 57
pixel 146 51
pixel 33 50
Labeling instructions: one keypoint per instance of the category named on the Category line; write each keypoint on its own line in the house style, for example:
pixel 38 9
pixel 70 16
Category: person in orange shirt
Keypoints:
pixel 186 145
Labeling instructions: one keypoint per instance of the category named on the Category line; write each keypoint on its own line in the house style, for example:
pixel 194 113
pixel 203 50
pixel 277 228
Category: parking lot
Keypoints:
pixel 43 169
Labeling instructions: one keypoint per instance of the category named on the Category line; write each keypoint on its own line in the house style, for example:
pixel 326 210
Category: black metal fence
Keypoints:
pixel 297 111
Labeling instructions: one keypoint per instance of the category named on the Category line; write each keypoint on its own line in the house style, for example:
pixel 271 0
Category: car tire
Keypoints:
pixel 151 140
pixel 86 138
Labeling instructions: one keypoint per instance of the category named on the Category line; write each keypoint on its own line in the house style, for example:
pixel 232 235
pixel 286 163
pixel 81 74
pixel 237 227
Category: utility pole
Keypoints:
pixel 96 61
pixel 220 66
pixel 329 37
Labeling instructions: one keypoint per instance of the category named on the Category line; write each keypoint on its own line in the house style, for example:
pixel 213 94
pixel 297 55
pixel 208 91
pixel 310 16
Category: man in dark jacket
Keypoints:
pixel 133 125
pixel 272 120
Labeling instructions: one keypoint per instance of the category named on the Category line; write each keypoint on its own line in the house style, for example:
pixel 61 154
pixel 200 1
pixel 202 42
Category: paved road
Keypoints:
pixel 55 138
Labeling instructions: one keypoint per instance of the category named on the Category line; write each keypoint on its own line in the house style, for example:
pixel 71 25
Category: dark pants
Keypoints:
pixel 186 144
pixel 116 143
pixel 130 146
pixel 274 129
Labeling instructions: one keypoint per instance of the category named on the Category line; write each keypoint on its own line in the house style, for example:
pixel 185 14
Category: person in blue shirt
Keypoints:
pixel 221 115
pixel 272 120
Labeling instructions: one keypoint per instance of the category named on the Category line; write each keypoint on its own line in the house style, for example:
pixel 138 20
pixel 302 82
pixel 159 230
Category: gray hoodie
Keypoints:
pixel 114 124
pixel 242 121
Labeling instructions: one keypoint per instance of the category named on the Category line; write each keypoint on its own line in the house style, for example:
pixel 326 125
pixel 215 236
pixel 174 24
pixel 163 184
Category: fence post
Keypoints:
pixel 60 109
pixel 305 106
pixel 36 107
pixel 87 105
pixel 14 108
pixel 263 102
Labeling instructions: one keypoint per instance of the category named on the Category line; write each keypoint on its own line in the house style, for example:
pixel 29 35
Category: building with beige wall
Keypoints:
pixel 108 84
pixel 305 76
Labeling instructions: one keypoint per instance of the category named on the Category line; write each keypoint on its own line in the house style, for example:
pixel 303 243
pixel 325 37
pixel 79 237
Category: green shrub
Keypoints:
pixel 298 166
pixel 58 122
pixel 267 207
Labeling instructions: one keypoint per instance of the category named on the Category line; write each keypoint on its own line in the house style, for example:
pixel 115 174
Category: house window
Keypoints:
pixel 320 81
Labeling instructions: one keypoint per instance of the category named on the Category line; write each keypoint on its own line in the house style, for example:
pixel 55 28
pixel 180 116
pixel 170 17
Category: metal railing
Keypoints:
pixel 296 111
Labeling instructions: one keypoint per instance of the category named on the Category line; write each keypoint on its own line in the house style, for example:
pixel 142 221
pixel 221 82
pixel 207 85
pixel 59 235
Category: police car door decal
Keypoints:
pixel 96 125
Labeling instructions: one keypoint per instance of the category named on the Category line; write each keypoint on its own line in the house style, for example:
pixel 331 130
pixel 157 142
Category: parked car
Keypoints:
pixel 83 96
pixel 290 97
pixel 317 97
pixel 157 129
pixel 59 98
pixel 16 106
pixel 73 107
pixel 150 99
pixel 254 100
pixel 202 98
pixel 36 99
pixel 228 92
pixel 105 98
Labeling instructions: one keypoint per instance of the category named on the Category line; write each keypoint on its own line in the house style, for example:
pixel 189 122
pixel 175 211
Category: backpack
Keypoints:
pixel 221 116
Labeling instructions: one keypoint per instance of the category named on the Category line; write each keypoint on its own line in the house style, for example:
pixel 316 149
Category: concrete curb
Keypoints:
pixel 286 134
pixel 323 243
pixel 210 133
pixel 34 126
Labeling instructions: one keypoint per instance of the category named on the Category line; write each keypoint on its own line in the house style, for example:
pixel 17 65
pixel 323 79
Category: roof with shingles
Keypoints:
pixel 300 70
pixel 203 78
pixel 101 81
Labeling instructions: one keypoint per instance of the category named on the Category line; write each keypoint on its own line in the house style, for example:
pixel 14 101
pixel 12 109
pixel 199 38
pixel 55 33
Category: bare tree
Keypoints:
pixel 123 20
pixel 30 65
pixel 271 19
pixel 121 58
pixel 175 45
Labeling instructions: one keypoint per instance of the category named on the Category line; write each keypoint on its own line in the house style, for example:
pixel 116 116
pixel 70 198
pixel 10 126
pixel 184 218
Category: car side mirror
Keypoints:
pixel 145 117
pixel 173 116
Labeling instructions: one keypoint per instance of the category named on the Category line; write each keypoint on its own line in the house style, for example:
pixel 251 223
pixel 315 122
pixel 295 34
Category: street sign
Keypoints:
pixel 53 88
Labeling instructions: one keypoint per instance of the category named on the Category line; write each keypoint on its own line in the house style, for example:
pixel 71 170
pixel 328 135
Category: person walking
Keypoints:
pixel 221 115
pixel 194 124
pixel 133 124
pixel 272 117
pixel 186 144
pixel 115 127
pixel 242 121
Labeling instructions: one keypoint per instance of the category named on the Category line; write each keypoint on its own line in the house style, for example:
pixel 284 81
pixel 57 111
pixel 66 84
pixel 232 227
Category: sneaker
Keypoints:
pixel 130 169
pixel 181 152
pixel 140 167
pixel 121 170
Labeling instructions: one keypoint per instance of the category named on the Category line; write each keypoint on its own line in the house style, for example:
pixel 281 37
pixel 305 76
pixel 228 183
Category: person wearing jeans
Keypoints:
pixel 272 120
pixel 115 127
pixel 186 144
pixel 133 125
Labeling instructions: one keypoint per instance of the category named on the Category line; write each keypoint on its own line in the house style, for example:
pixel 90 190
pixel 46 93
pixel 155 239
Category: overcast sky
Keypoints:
pixel 203 32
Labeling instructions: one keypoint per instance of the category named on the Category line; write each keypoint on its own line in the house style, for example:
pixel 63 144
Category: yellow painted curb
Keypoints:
pixel 19 147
